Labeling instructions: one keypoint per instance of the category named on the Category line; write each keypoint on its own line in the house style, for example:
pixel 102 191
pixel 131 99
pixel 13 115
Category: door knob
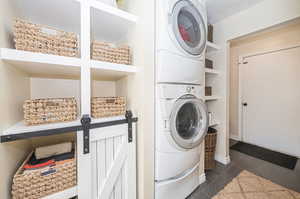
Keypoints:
pixel 245 104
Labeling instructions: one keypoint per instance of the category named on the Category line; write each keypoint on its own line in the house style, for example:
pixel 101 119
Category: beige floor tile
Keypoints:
pixel 250 184
pixel 232 187
pixel 295 194
pixel 270 186
pixel 280 195
pixel 231 196
pixel 261 195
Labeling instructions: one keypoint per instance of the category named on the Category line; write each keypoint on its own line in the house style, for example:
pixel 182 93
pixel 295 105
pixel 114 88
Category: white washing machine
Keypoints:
pixel 182 122
pixel 181 41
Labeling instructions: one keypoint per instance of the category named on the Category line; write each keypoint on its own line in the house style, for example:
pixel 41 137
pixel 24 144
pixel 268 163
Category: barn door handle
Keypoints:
pixel 86 123
pixel 129 121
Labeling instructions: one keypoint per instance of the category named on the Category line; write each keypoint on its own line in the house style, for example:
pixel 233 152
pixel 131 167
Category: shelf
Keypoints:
pixel 212 47
pixel 38 64
pixel 22 131
pixel 212 98
pixel 212 71
pixel 110 71
pixel 66 194
pixel 215 123
pixel 109 23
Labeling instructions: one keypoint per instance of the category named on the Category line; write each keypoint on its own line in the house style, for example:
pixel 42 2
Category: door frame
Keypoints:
pixel 241 62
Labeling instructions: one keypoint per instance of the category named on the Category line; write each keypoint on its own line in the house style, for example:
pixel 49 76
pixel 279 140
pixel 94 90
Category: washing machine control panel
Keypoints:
pixel 190 89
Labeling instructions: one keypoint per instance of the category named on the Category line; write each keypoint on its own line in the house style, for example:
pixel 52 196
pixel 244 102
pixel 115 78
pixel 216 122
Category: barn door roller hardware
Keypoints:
pixel 87 126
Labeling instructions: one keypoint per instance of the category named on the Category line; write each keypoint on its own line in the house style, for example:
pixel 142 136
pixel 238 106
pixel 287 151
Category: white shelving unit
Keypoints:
pixel 212 47
pixel 211 76
pixel 209 71
pixel 90 20
pixel 212 98
pixel 214 123
pixel 111 71
pixel 38 64
pixel 66 194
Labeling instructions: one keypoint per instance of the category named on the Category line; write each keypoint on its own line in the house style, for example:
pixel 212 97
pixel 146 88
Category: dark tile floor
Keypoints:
pixel 223 174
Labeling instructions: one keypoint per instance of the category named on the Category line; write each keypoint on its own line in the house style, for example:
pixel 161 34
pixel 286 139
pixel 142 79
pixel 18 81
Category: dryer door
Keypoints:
pixel 188 27
pixel 189 122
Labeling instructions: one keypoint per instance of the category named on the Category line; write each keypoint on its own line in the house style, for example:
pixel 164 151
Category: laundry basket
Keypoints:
pixel 210 148
pixel 42 182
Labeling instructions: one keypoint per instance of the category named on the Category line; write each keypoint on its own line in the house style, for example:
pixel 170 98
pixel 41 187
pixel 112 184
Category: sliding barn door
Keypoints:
pixel 112 164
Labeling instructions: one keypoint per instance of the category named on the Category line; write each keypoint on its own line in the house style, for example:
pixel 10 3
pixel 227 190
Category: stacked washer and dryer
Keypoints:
pixel 181 113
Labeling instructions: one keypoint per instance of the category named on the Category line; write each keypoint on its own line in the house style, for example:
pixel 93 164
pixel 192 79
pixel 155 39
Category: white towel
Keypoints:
pixel 57 149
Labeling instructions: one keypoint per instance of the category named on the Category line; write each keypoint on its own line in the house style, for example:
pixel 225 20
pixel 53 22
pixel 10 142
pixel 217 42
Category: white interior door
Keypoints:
pixel 111 165
pixel 270 92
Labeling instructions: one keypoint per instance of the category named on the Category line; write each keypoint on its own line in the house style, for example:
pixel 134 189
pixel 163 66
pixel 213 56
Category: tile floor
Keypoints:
pixel 218 178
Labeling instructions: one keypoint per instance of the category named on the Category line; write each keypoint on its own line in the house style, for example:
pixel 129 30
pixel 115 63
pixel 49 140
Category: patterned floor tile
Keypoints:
pixel 232 187
pixel 231 196
pixel 260 195
pixel 280 195
pixel 250 184
pixel 295 194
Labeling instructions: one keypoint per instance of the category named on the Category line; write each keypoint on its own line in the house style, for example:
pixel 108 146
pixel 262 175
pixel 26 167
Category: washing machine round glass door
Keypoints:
pixel 189 122
pixel 189 27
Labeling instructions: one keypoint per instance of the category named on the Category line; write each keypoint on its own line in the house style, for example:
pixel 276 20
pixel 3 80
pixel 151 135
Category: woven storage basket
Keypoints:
pixel 210 147
pixel 106 52
pixel 108 106
pixel 42 111
pixel 40 183
pixel 44 39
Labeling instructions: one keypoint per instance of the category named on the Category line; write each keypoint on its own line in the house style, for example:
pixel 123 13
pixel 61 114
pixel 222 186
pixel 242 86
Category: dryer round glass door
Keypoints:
pixel 189 27
pixel 189 122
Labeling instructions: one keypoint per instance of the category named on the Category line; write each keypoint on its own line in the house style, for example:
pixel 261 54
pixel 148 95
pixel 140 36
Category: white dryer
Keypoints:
pixel 182 123
pixel 181 41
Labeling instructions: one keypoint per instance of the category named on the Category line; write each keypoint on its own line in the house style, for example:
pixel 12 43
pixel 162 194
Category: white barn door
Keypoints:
pixel 112 162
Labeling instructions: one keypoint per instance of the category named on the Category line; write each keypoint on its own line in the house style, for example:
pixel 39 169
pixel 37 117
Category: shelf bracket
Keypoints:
pixel 86 123
pixel 129 121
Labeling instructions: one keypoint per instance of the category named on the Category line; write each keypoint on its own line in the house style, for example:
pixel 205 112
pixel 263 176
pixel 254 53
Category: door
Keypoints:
pixel 189 27
pixel 111 165
pixel 271 100
pixel 189 122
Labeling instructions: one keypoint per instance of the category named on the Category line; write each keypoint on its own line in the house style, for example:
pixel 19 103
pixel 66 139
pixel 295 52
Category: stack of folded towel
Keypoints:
pixel 45 157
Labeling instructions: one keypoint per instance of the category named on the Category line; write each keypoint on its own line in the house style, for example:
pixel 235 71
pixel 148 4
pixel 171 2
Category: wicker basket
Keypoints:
pixel 44 39
pixel 42 111
pixel 108 106
pixel 43 182
pixel 210 147
pixel 109 53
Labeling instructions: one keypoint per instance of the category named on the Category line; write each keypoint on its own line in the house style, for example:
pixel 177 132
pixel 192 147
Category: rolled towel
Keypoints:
pixel 52 150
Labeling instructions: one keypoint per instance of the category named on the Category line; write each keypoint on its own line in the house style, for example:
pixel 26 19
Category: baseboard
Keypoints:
pixel 222 159
pixel 235 137
pixel 202 178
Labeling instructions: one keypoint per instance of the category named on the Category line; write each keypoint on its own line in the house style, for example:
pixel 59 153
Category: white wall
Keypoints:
pixel 141 92
pixel 259 17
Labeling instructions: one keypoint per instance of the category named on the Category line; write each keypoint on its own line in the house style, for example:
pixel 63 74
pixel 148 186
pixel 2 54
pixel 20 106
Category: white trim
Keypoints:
pixel 235 137
pixel 202 178
pixel 240 100
pixel 222 159
pixel 270 51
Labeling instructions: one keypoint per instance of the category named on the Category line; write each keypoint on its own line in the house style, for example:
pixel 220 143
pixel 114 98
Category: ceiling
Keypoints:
pixel 220 9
